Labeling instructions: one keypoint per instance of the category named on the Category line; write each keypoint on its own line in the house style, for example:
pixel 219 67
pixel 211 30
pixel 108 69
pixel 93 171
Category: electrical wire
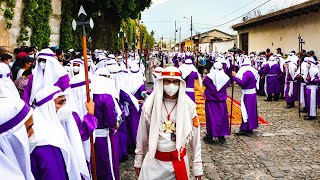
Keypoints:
pixel 239 16
pixel 236 10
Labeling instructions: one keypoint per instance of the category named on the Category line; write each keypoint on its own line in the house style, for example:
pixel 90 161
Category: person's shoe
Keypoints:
pixel 268 100
pixel 222 140
pixel 303 110
pixel 310 118
pixel 206 138
pixel 241 133
pixel 289 105
pixel 124 158
pixel 210 141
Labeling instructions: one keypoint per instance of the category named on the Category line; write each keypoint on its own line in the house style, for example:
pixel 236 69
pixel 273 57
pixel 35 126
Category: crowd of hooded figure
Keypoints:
pixel 45 127
pixel 46 121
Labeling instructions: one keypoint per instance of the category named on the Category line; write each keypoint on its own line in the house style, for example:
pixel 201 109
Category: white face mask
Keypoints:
pixel 64 113
pixel 10 64
pixel 76 69
pixel 32 142
pixel 171 89
pixel 42 65
pixel 31 55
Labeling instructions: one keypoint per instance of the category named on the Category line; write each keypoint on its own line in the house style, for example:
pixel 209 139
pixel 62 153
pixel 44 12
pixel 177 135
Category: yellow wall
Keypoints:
pixel 284 34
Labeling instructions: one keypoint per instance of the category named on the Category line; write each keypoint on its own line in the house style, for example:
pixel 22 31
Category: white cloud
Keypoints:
pixel 157 3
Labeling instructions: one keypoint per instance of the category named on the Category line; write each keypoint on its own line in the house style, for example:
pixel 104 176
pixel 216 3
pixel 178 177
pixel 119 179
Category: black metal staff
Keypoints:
pixel 301 41
pixel 86 23
pixel 234 50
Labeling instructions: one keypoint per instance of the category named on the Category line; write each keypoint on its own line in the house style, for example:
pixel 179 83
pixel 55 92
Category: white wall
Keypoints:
pixel 284 34
pixel 204 47
pixel 223 46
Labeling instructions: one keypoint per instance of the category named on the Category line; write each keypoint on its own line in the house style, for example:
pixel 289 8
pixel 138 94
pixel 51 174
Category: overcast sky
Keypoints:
pixel 206 15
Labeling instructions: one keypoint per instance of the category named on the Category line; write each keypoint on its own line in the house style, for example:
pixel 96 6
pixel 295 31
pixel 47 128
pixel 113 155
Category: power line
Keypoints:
pixel 236 10
pixel 239 16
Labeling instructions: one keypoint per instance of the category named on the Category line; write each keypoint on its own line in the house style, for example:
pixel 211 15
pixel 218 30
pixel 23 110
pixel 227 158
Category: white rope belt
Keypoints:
pixel 248 91
pixel 189 90
pixel 102 132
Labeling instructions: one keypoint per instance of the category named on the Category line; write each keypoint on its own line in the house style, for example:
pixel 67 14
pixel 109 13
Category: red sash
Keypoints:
pixel 179 167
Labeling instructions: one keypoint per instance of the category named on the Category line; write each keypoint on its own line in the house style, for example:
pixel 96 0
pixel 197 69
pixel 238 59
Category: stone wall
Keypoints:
pixel 8 37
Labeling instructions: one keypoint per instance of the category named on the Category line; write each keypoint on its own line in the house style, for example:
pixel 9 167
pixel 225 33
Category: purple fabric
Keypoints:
pixel 175 62
pixel 190 84
pixel 48 98
pixel 116 155
pixel 79 84
pixel 47 163
pixel 62 83
pixel 211 92
pixel 7 75
pixel 46 54
pixel 308 99
pixel 282 80
pixel 102 158
pixel 261 82
pixel 294 96
pixel 250 100
pixel 123 138
pixel 15 120
pixel 86 126
pixel 107 118
pixel 272 81
pixel 104 111
pixel 217 123
pixel 133 118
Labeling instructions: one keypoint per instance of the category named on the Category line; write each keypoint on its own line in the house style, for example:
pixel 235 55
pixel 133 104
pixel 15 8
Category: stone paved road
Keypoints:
pixel 287 148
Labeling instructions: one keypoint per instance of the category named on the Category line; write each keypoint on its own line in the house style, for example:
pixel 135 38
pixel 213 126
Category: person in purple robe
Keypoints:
pixel 281 76
pixel 47 72
pixel 189 75
pixel 291 90
pixel 106 111
pixel 124 100
pixel 16 137
pixel 271 71
pixel 56 156
pixel 262 62
pixel 248 79
pixel 312 79
pixel 217 123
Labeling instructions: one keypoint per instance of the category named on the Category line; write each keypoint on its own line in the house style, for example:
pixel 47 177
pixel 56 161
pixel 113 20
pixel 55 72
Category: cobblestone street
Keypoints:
pixel 287 148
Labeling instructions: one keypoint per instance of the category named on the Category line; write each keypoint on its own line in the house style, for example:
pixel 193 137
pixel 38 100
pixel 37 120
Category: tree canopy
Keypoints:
pixel 108 16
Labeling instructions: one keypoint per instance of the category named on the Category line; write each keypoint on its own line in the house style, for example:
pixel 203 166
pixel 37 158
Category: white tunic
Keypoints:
pixel 153 169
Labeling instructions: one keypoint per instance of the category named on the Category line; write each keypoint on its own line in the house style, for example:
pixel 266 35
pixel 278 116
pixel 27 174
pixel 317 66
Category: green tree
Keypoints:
pixel 109 16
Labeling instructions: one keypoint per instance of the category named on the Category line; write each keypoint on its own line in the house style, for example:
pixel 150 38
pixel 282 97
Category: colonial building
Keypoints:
pixel 282 29
pixel 216 40
pixel 209 41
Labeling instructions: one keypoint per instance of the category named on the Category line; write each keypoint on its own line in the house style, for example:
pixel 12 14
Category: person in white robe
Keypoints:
pixel 166 156
pixel 15 129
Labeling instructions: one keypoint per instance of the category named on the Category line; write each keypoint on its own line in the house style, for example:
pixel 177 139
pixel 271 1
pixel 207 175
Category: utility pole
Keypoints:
pixel 191 36
pixel 175 32
pixel 179 49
